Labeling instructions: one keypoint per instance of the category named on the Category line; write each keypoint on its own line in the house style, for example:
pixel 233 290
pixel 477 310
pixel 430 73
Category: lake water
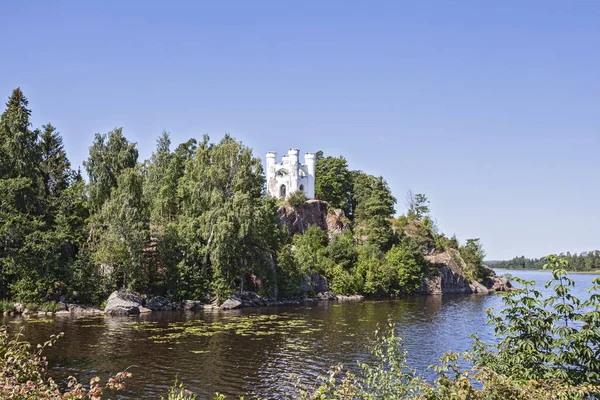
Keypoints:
pixel 260 352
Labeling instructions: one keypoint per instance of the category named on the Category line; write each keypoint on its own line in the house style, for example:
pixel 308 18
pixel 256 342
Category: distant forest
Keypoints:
pixel 586 261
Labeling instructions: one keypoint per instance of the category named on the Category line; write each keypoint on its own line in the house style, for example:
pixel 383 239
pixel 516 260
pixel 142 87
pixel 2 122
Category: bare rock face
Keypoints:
pixel 314 283
pixel 449 277
pixel 314 212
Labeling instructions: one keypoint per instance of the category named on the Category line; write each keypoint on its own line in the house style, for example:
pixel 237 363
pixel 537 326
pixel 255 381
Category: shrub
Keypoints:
pixel 49 307
pixel 297 200
pixel 7 306
pixel 178 392
pixel 23 374
pixel 405 267
pixel 548 350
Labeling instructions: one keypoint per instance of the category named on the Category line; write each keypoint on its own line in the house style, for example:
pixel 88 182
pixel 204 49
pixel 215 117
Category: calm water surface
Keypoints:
pixel 260 352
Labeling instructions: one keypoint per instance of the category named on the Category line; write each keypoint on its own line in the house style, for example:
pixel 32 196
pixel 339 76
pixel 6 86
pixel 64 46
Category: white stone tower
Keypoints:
pixel 285 178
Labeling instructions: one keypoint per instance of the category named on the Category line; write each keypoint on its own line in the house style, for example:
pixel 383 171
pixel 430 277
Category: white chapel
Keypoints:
pixel 290 175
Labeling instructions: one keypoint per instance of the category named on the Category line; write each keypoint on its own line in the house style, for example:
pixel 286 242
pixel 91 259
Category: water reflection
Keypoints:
pixel 259 352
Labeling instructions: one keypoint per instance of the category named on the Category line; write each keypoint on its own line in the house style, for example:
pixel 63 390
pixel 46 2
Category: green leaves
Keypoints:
pixel 333 183
pixel 556 338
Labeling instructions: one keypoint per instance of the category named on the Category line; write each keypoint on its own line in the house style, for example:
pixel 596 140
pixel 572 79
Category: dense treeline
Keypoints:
pixel 586 261
pixel 193 221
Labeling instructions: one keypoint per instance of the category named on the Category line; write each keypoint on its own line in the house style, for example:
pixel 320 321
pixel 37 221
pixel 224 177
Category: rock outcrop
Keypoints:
pixel 159 303
pixel 314 212
pixel 315 283
pixel 447 275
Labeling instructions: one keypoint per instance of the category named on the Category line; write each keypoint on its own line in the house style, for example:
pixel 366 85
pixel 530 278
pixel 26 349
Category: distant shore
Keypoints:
pixel 594 272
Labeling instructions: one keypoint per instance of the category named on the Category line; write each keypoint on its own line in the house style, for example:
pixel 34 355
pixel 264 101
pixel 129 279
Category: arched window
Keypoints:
pixel 282 191
pixel 301 187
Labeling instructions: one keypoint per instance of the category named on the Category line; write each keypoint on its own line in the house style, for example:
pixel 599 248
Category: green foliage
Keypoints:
pixel 289 275
pixel 23 374
pixel 547 348
pixel 297 200
pixel 110 155
pixel 373 209
pixel 178 392
pixel 405 267
pixel 370 268
pixel 188 222
pixel 333 182
pixel 121 232
pixel 417 204
pixel 219 224
pixel 309 249
pixel 472 253
pixel 557 337
pixel 18 144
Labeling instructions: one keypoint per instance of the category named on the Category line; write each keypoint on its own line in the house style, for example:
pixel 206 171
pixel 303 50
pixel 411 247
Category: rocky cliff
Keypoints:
pixel 447 276
pixel 314 212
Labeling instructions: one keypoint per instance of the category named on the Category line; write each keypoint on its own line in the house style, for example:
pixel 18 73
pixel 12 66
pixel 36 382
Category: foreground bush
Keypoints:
pixel 549 350
pixel 23 374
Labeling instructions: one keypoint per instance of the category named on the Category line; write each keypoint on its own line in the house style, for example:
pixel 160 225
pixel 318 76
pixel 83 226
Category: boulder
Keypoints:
pixel 500 284
pixel 64 313
pixel 231 304
pixel 123 303
pixel 83 310
pixel 62 307
pixel 19 308
pixel 159 304
pixel 190 305
pixel 478 288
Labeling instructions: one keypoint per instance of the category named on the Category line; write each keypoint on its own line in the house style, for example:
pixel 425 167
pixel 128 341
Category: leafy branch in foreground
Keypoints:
pixel 23 374
pixel 549 349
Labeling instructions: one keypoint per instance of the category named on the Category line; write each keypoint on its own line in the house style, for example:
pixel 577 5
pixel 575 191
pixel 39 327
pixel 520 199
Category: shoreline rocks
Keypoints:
pixel 123 303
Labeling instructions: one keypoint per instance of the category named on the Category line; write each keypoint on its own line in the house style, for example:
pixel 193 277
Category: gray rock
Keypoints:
pixel 62 307
pixel 63 313
pixel 84 310
pixel 449 276
pixel 159 304
pixel 26 311
pixel 144 310
pixel 19 308
pixel 231 304
pixel 478 288
pixel 500 284
pixel 123 303
pixel 190 305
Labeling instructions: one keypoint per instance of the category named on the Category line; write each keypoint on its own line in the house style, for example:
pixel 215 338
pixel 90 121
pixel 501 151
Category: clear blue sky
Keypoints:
pixel 492 109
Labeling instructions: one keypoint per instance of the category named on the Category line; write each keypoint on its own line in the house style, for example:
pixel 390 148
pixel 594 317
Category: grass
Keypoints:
pixel 9 306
